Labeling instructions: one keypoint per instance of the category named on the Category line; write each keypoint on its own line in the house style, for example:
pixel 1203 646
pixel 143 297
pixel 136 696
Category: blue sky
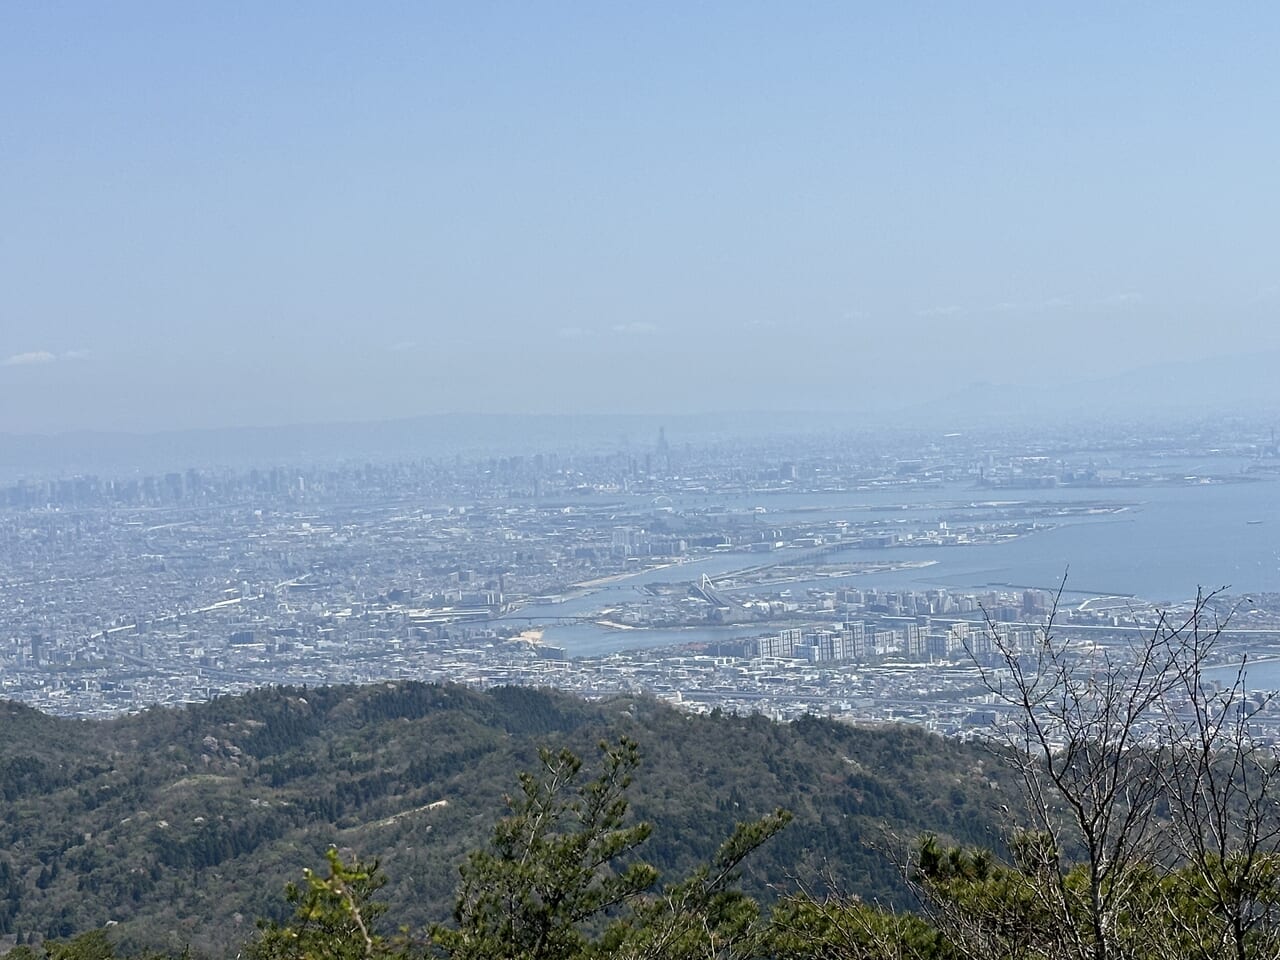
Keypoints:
pixel 222 214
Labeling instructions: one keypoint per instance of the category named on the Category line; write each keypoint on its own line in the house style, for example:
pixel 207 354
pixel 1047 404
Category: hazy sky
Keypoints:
pixel 237 213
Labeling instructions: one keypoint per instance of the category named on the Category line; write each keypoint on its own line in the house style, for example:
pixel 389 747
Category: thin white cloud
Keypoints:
pixel 76 355
pixel 1121 299
pixel 30 359
pixel 639 328
pixel 1044 305
pixel 1032 306
pixel 947 310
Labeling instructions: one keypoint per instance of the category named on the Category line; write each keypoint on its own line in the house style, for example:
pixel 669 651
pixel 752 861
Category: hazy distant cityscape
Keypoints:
pixel 750 357
pixel 799 574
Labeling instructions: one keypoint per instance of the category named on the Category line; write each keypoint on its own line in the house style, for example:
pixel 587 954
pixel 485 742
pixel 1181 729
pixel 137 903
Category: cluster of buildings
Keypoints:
pixel 858 642
pixel 118 593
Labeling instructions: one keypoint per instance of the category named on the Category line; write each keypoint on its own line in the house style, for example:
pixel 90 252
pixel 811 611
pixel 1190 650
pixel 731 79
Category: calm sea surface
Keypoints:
pixel 1260 675
pixel 1169 542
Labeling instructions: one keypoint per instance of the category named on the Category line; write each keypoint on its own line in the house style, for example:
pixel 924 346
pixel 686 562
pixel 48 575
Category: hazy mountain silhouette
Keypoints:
pixel 1238 385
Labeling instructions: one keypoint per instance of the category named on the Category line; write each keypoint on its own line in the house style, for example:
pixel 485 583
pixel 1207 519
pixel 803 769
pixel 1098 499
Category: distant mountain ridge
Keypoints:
pixel 434 436
pixel 1245 384
pixel 1235 385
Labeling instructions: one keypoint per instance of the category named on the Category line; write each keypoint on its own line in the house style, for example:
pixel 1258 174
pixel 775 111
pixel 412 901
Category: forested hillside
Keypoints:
pixel 180 827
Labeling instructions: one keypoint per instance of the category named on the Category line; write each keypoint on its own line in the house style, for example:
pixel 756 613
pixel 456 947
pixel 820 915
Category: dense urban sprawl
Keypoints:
pixel 668 570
